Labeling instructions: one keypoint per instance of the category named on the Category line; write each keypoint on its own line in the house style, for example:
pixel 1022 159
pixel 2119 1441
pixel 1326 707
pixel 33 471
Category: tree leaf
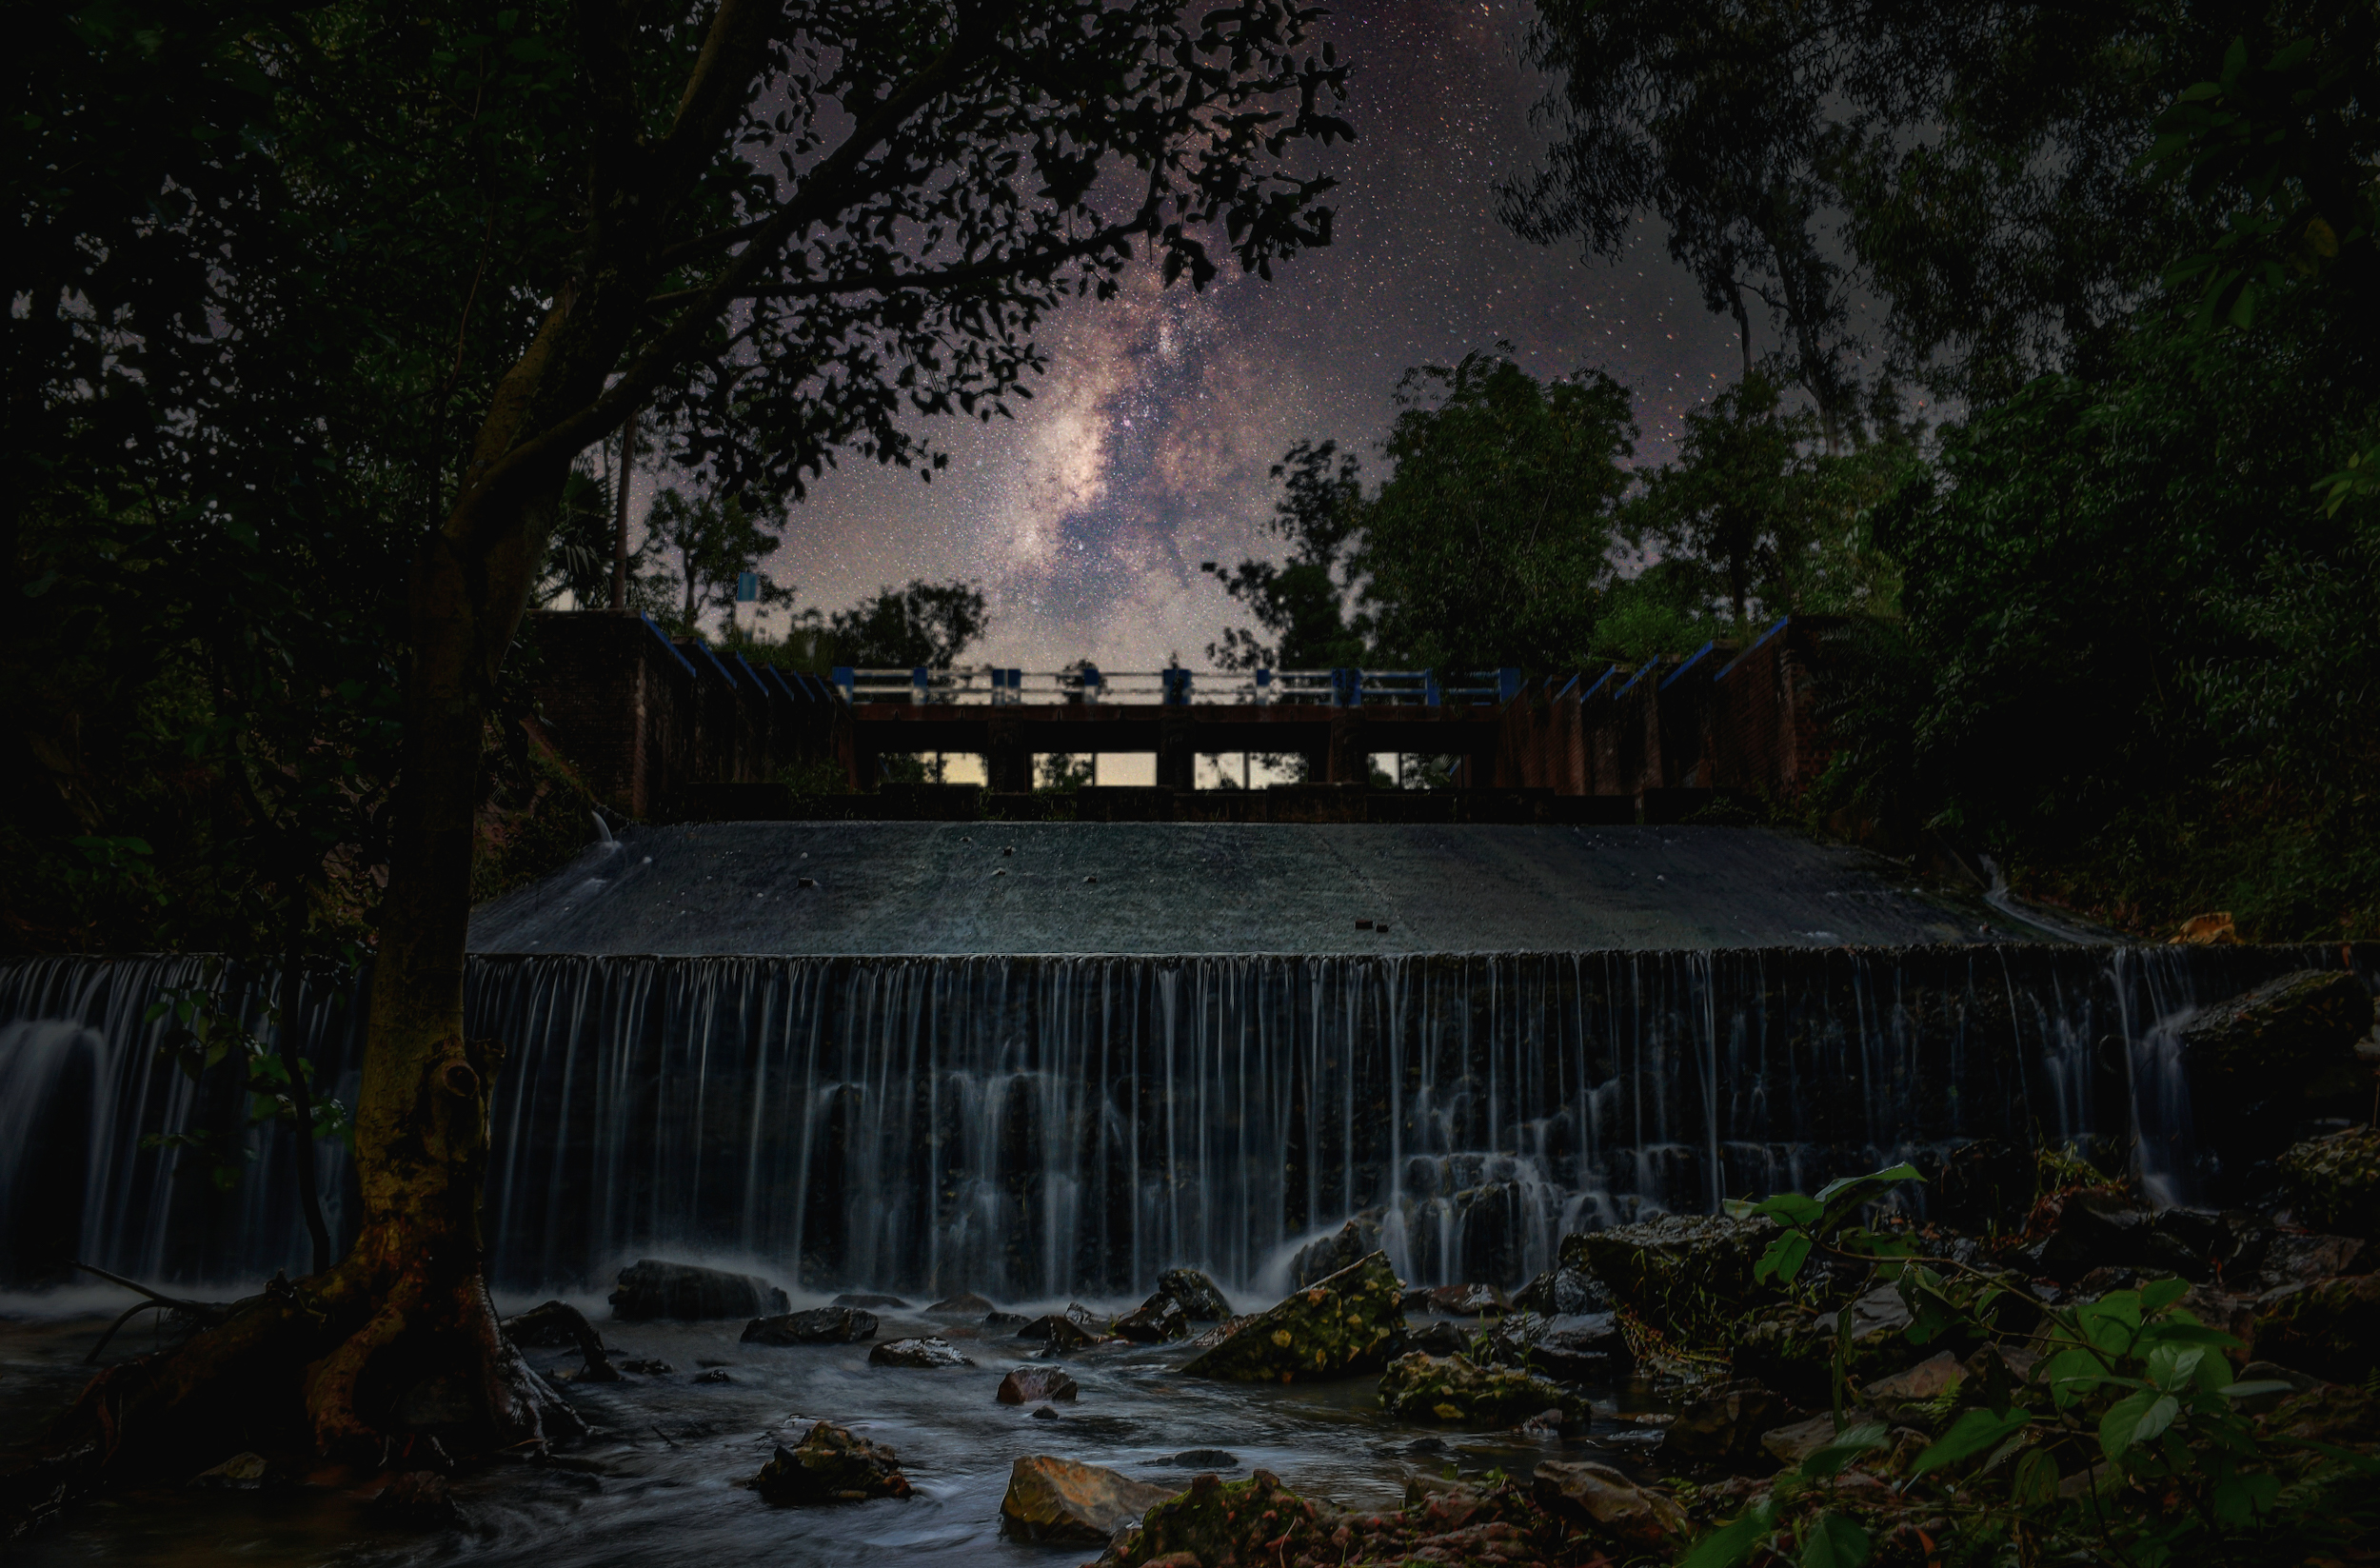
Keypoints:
pixel 1847 1446
pixel 2034 1482
pixel 1973 1432
pixel 1835 1541
pixel 1736 1541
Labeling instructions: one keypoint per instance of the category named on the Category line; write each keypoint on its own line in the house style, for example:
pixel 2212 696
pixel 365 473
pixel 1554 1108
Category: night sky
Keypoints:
pixel 1144 449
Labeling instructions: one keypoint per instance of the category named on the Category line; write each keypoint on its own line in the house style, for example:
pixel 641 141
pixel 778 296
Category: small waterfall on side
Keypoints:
pixel 1034 1126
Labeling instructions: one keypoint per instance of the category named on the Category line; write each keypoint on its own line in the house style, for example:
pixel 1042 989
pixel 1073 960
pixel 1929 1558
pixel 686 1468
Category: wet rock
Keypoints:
pixel 1457 1302
pixel 819 1326
pixel 1440 1339
pixel 1569 1287
pixel 1578 1347
pixel 1029 1383
pixel 1983 1186
pixel 1216 1522
pixel 418 1499
pixel 1686 1275
pixel 240 1473
pixel 1200 1301
pixel 1355 1240
pixel 2272 1372
pixel 863 1298
pixel 1607 1503
pixel 2293 1257
pixel 2335 1181
pixel 1157 1321
pixel 1205 1458
pixel 1060 1331
pixel 917 1353
pixel 830 1464
pixel 2202 1244
pixel 1723 1424
pixel 2087 1228
pixel 1419 1386
pixel 1059 1500
pixel 2327 1413
pixel 1336 1327
pixel 1005 1319
pixel 964 1304
pixel 2281 1033
pixel 1929 1379
pixel 648 1368
pixel 652 1289
pixel 2330 1329
pixel 1790 1445
pixel 2102 1280
pixel 1784 1348
pixel 1225 1330
pixel 716 1375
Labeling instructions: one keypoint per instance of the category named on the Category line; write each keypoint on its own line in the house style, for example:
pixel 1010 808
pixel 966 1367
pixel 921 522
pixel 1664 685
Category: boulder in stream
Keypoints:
pixel 1578 1347
pixel 1157 1321
pixel 965 1304
pixel 1724 1422
pixel 1420 1386
pixel 818 1326
pixel 1350 1244
pixel 1605 1502
pixel 1028 1384
pixel 1983 1184
pixel 1257 1521
pixel 1683 1274
pixel 1069 1330
pixel 1060 1501
pixel 867 1298
pixel 925 1353
pixel 1569 1286
pixel 651 1288
pixel 1337 1327
pixel 830 1464
pixel 1458 1301
pixel 2277 1037
pixel 1200 1301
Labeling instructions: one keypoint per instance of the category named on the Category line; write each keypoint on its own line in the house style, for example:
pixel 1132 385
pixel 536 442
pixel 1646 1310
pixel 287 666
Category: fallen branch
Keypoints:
pixel 205 1314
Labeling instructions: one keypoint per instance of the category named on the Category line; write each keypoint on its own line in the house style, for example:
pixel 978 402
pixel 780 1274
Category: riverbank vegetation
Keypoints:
pixel 2087 455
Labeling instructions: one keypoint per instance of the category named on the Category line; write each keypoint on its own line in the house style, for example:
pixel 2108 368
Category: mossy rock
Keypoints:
pixel 2335 1181
pixel 1686 1275
pixel 1217 1521
pixel 1421 1387
pixel 2330 1329
pixel 1339 1326
pixel 830 1466
pixel 2277 1038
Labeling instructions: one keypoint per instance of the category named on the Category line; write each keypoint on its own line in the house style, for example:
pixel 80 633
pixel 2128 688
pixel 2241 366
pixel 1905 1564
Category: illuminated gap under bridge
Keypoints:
pixel 1334 719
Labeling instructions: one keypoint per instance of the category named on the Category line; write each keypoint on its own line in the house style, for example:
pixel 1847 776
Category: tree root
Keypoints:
pixel 382 1371
pixel 201 1314
pixel 560 1323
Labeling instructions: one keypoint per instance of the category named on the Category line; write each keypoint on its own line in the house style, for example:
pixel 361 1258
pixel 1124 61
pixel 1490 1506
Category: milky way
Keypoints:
pixel 1144 449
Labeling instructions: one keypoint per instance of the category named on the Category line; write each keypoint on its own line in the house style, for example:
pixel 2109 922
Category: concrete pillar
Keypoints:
pixel 1176 764
pixel 1349 759
pixel 1008 763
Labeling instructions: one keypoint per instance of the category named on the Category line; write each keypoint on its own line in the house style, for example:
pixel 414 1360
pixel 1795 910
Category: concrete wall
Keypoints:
pixel 648 721
pixel 1678 732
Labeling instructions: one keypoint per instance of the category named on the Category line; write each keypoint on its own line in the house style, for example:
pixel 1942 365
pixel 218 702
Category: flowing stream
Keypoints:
pixel 1036 1127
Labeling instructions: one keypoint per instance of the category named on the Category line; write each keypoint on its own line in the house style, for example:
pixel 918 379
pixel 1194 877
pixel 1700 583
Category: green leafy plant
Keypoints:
pixel 209 1035
pixel 2124 1439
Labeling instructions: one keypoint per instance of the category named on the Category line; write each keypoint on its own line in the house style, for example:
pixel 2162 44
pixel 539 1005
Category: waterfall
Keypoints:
pixel 1029 1127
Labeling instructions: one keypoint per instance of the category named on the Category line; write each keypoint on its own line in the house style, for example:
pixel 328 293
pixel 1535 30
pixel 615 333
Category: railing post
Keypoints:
pixel 920 684
pixel 1432 692
pixel 1177 684
pixel 1508 682
pixel 848 679
pixel 1264 687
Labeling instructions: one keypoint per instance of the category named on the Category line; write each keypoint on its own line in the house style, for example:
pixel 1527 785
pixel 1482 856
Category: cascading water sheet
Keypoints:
pixel 1036 1126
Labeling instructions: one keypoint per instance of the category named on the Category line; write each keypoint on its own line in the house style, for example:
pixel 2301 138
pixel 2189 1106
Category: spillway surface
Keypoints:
pixel 989 888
